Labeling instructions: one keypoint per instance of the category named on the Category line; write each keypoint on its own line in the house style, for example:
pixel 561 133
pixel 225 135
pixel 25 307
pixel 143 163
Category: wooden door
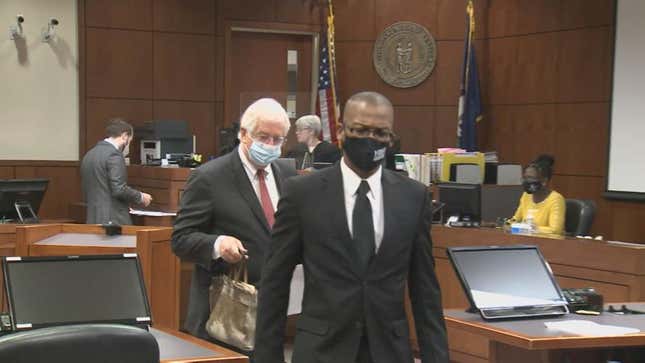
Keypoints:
pixel 258 66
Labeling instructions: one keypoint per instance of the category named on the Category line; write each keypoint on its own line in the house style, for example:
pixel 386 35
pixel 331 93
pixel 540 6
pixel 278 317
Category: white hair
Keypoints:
pixel 311 122
pixel 264 109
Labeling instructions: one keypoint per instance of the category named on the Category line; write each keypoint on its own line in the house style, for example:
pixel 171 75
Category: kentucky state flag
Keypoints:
pixel 470 108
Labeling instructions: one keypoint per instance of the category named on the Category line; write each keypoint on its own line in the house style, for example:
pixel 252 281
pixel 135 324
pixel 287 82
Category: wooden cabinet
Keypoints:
pixel 164 184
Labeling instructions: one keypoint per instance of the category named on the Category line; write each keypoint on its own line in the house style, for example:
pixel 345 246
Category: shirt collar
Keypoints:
pixel 250 168
pixel 351 180
pixel 112 142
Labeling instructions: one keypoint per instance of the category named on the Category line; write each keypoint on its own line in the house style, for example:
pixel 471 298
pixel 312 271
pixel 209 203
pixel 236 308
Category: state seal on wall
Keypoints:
pixel 404 54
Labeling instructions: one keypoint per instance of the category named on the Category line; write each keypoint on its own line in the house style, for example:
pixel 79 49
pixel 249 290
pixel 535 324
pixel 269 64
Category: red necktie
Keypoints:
pixel 265 200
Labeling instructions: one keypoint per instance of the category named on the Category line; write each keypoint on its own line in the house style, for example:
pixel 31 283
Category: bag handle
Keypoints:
pixel 238 269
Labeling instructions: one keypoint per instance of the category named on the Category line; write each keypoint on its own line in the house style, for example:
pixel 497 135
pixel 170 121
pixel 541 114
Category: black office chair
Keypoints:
pixel 579 217
pixel 97 343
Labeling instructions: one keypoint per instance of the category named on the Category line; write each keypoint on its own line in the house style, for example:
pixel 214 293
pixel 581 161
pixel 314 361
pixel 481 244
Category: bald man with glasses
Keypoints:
pixel 226 211
pixel 360 232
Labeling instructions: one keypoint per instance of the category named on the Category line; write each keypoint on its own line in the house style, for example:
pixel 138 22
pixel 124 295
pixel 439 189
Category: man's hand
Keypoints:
pixel 146 199
pixel 231 249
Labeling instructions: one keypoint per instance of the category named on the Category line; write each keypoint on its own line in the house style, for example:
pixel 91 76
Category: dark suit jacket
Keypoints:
pixel 219 200
pixel 340 302
pixel 324 152
pixel 104 178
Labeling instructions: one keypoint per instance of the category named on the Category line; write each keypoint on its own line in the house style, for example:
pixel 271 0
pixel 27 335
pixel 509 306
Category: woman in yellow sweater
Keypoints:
pixel 541 206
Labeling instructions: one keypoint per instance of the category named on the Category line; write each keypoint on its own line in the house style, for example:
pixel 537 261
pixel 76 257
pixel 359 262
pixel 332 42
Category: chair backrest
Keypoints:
pixel 99 343
pixel 579 216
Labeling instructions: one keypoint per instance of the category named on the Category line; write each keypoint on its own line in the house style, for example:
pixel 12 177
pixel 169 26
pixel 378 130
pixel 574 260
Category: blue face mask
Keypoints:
pixel 263 154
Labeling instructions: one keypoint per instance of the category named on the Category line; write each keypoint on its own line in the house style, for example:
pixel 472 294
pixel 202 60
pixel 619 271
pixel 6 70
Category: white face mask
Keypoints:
pixel 264 154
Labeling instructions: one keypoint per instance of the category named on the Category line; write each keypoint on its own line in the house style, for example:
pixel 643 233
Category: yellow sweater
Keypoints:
pixel 548 215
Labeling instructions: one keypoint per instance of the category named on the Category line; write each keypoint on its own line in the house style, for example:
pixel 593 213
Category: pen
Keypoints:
pixel 587 312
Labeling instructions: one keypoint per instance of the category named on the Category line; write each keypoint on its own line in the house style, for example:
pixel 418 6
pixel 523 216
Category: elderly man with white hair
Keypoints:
pixel 310 149
pixel 226 210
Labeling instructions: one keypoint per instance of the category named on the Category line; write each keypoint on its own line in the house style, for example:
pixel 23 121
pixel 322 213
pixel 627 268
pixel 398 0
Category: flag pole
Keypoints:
pixel 471 32
pixel 332 63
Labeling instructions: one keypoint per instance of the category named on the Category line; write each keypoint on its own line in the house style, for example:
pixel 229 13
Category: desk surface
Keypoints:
pixel 178 347
pixel 89 239
pixel 532 334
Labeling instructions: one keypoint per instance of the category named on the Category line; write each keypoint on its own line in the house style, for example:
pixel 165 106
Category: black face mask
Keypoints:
pixel 364 152
pixel 532 186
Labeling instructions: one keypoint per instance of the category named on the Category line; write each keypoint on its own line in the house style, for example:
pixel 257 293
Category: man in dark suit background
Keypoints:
pixel 104 178
pixel 227 208
pixel 360 231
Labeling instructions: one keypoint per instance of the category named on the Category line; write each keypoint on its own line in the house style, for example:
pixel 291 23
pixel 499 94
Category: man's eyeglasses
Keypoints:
pixel 381 134
pixel 268 139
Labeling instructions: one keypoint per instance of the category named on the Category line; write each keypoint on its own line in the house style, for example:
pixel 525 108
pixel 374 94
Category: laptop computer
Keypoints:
pixel 508 282
pixel 62 290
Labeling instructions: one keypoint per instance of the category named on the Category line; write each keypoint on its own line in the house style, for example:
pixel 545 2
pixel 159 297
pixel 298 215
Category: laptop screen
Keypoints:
pixel 44 291
pixel 497 277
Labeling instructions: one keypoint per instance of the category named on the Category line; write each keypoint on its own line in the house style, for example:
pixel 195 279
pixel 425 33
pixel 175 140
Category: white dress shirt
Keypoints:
pixel 351 182
pixel 112 142
pixel 251 173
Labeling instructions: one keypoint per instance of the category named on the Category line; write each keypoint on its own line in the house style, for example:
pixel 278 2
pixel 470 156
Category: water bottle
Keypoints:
pixel 530 220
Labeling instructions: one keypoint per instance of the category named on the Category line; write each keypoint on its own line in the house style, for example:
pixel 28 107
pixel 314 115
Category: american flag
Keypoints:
pixel 327 106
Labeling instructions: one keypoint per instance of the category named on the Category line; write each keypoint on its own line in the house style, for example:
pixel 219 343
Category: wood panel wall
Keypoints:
pixel 64 183
pixel 164 59
pixel 425 115
pixel 150 60
pixel 545 70
pixel 547 87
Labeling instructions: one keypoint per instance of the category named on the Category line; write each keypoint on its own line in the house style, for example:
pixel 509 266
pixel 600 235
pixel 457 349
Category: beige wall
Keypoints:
pixel 39 83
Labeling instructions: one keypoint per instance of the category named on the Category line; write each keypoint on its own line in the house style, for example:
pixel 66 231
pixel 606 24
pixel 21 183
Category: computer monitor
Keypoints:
pixel 20 199
pixel 461 200
pixel 507 281
pixel 61 290
pixel 499 201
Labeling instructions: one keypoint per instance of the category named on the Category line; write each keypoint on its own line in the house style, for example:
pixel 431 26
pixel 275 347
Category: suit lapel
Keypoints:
pixel 277 176
pixel 246 189
pixel 333 183
pixel 390 205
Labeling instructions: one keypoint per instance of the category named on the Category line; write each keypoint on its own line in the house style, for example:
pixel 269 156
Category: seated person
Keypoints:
pixel 539 205
pixel 310 149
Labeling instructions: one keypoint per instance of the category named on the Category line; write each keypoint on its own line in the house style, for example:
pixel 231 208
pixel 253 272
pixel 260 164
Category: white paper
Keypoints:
pixel 589 328
pixel 150 213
